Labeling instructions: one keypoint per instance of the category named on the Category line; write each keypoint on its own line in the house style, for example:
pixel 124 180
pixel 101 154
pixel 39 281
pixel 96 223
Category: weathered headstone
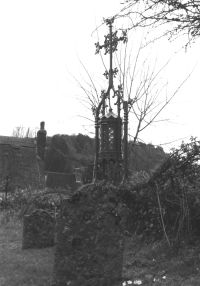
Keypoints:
pixel 38 230
pixel 90 243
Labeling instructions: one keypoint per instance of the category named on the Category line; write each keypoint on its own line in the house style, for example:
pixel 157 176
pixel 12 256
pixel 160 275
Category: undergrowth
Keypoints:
pixel 168 204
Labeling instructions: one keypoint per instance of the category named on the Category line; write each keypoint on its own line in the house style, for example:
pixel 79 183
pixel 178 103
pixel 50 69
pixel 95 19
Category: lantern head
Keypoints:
pixel 110 137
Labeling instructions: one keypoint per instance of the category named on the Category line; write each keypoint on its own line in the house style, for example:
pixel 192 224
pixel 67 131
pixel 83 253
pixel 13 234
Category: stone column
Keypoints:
pixel 41 140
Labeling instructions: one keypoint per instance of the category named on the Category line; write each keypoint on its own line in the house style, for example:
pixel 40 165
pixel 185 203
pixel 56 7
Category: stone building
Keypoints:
pixel 22 164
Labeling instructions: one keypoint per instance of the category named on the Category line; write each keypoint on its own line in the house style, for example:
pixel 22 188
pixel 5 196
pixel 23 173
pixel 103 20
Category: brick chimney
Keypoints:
pixel 41 140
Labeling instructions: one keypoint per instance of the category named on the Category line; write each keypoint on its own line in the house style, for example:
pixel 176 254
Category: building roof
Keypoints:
pixel 17 141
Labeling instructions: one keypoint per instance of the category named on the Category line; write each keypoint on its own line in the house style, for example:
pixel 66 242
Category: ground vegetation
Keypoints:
pixel 160 226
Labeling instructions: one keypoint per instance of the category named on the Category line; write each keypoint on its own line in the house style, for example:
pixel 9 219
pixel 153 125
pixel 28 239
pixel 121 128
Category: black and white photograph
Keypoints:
pixel 99 143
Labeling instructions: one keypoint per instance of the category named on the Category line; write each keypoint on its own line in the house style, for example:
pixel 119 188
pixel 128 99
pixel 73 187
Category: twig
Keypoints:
pixel 161 215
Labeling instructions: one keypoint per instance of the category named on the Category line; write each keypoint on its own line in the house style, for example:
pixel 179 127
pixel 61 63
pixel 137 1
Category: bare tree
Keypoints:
pixel 144 88
pixel 179 16
pixel 22 132
pixel 139 82
pixel 18 132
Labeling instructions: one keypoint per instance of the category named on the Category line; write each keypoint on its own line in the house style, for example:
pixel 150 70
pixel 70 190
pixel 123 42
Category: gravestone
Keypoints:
pixel 90 240
pixel 38 230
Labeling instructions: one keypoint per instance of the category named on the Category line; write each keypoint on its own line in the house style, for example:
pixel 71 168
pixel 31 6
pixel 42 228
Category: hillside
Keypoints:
pixel 65 152
pixel 145 157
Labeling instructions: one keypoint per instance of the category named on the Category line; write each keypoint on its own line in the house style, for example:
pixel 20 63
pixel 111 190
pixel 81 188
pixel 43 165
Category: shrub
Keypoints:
pixel 24 201
pixel 169 203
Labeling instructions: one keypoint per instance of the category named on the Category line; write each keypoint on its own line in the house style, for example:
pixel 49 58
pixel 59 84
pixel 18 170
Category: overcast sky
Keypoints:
pixel 41 43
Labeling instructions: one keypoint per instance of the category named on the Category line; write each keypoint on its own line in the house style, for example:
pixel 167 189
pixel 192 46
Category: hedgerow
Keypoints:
pixel 169 203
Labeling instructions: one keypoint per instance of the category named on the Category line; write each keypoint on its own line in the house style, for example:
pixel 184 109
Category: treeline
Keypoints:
pixel 66 152
pixel 145 157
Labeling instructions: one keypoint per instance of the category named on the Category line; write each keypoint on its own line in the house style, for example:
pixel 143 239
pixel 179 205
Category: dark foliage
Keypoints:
pixel 57 155
pixel 145 157
pixel 168 204
pixel 83 143
pixel 67 152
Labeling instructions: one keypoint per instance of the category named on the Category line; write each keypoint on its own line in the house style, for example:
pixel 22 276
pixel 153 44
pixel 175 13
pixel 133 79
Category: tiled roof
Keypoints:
pixel 17 141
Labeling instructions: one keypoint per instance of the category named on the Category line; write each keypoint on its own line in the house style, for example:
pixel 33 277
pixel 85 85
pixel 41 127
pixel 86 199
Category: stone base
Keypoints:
pixel 90 243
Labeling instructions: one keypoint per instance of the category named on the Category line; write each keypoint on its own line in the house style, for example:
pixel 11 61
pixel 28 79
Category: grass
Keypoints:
pixel 157 264
pixel 21 267
pixel 150 264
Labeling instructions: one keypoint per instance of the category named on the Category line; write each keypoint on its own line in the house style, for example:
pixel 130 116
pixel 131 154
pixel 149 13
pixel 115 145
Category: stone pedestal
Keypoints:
pixel 38 230
pixel 90 244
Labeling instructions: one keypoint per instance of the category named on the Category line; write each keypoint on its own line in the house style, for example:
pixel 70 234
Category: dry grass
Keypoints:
pixel 21 267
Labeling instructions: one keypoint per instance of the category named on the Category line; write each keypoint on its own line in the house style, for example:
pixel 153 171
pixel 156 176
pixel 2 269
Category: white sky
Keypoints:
pixel 41 42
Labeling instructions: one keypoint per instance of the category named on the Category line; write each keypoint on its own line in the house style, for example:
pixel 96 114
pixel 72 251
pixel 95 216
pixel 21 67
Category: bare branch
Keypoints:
pixel 88 74
pixel 179 17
